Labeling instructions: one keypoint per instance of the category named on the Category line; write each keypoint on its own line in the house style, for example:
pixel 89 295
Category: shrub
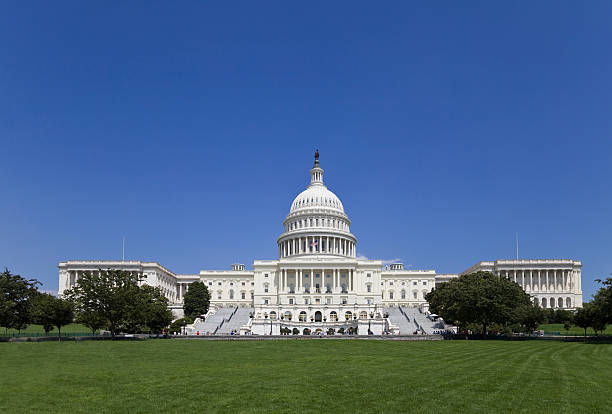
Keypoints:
pixel 296 331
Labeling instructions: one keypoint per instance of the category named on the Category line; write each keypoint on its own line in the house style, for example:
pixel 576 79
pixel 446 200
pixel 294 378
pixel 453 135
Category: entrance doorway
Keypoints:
pixel 318 316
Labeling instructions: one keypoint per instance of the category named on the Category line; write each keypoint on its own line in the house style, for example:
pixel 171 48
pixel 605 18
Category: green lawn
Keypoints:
pixel 296 376
pixel 574 330
pixel 37 330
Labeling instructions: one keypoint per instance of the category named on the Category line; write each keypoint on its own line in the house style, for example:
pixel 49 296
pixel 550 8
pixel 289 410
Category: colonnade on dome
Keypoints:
pixel 316 244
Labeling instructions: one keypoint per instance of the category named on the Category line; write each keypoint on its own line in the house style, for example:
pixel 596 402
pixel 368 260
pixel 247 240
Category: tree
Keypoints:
pixel 16 295
pixel 62 315
pixel 92 319
pixel 179 324
pixel 196 300
pixel 481 298
pixel 584 317
pixel 42 311
pixel 157 316
pixel 530 317
pixel 603 300
pixel 107 295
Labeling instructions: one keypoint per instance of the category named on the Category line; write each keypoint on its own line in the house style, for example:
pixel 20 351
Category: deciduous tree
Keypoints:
pixel 42 311
pixel 196 300
pixel 62 315
pixel 16 295
pixel 481 298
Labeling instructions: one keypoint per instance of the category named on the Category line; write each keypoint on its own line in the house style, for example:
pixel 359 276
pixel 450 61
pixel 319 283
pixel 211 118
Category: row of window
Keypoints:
pixel 414 283
pixel 315 200
pixel 415 294
pixel 316 222
pixel 231 295
pixel 231 283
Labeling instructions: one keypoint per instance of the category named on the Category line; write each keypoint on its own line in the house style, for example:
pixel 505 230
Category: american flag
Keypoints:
pixel 314 243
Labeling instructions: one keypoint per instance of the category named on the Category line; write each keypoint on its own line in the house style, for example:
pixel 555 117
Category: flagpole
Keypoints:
pixel 517 246
pixel 123 251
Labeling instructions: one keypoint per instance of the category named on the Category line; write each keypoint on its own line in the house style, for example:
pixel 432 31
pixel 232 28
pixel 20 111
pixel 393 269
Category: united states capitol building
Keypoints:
pixel 318 281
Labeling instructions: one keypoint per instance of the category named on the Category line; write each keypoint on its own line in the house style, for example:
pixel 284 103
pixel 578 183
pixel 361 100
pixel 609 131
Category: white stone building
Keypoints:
pixel 318 282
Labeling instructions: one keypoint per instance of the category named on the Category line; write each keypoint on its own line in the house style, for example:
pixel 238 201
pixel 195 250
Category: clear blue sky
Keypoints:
pixel 444 128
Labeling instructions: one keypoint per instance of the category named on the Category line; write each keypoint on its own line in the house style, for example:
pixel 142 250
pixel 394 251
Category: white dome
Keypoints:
pixel 316 196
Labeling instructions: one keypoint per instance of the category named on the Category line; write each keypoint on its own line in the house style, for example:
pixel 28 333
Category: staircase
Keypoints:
pixel 397 318
pixel 421 320
pixel 239 318
pixel 222 322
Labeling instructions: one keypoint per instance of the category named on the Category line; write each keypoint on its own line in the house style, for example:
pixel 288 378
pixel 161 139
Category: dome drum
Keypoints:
pixel 316 223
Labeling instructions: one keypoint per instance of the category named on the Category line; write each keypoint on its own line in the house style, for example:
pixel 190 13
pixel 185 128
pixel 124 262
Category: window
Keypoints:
pixel 328 301
pixel 414 294
pixel 305 301
pixel 390 295
pixel 291 301
pixel 391 283
pixel 231 283
pixel 265 275
pixel 266 288
pixel 369 286
pixel 424 283
pixel 252 283
pixel 219 283
pixel 369 274
pixel 243 283
pixel 414 283
pixel 243 295
pixel 231 294
pixel 403 294
pixel 344 301
pixel 252 295
pixel 266 301
pixel 209 283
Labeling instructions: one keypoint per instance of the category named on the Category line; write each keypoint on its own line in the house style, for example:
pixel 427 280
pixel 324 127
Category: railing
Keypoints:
pixel 42 334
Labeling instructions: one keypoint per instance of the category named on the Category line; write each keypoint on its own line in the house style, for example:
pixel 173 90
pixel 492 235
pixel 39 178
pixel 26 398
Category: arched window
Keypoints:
pixel 288 315
pixel 348 315
pixel 333 316
pixel 560 303
pixel 568 302
pixel 414 294
pixel 231 294
pixel 302 316
pixel 424 293
pixel 266 287
pixel 543 302
pixel 369 287
pixel 403 294
pixel 273 315
pixel 363 315
pixel 552 302
pixel 390 294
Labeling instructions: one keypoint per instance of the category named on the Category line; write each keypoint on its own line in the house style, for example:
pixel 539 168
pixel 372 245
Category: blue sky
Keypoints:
pixel 444 128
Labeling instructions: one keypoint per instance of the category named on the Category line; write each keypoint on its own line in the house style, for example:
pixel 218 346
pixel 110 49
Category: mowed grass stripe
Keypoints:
pixel 306 376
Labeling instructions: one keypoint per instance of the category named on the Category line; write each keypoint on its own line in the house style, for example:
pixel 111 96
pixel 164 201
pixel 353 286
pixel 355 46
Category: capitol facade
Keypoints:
pixel 319 283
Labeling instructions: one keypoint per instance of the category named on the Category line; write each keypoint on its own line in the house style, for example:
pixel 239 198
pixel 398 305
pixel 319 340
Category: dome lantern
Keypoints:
pixel 316 173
